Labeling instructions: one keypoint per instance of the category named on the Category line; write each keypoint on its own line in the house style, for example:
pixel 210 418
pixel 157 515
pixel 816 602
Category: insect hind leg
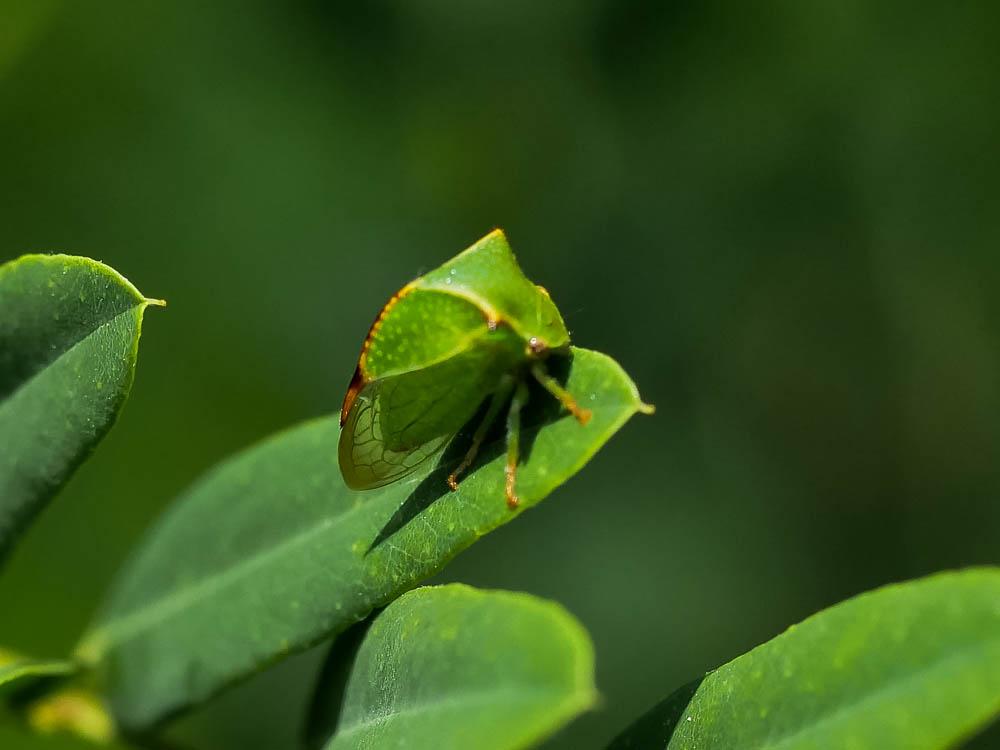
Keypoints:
pixel 514 443
pixel 496 402
pixel 552 385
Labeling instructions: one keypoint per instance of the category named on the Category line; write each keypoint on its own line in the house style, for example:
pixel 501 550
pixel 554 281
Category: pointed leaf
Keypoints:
pixel 452 667
pixel 69 334
pixel 271 553
pixel 913 666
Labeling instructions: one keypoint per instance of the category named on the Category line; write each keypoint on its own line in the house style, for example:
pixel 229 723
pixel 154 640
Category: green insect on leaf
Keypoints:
pixel 273 537
pixel 472 329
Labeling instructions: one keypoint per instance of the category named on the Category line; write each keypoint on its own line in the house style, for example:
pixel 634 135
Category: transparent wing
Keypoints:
pixel 397 423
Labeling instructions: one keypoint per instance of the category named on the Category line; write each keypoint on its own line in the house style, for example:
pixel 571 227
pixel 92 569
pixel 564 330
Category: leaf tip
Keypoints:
pixel 644 408
pixel 155 302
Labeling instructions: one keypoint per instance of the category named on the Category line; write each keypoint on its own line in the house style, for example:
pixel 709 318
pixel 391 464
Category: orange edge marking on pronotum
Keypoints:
pixel 360 378
pixel 357 383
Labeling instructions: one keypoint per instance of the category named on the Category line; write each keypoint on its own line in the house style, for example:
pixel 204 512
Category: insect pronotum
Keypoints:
pixel 473 328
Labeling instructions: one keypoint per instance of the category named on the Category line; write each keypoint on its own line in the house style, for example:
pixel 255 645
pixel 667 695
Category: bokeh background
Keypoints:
pixel 782 219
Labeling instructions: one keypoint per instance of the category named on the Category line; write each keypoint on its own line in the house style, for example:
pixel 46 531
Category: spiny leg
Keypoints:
pixel 497 400
pixel 514 442
pixel 550 384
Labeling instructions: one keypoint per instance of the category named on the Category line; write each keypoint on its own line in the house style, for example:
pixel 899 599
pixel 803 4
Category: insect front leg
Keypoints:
pixel 514 442
pixel 498 399
pixel 550 384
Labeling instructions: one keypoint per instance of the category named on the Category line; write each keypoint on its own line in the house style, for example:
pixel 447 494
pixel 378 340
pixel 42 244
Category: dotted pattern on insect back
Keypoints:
pixel 419 328
pixel 488 274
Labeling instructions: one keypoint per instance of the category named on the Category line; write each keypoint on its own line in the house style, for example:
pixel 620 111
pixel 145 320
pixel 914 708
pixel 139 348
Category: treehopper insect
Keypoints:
pixel 472 329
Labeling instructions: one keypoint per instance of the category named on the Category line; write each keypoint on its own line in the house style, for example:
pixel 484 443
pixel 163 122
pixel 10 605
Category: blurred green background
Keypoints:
pixel 781 219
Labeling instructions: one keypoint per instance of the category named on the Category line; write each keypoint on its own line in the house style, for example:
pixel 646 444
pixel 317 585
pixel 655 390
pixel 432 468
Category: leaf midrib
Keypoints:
pixel 93 647
pixel 9 397
pixel 492 695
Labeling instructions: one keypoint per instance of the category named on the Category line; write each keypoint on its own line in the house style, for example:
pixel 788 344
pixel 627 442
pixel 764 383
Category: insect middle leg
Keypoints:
pixel 550 384
pixel 514 442
pixel 496 401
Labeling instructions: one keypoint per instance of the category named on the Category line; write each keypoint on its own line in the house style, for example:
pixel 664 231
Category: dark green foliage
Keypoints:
pixel 271 553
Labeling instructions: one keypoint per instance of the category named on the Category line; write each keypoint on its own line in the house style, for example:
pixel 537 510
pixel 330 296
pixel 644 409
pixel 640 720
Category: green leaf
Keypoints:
pixel 452 667
pixel 913 666
pixel 271 553
pixel 23 673
pixel 69 333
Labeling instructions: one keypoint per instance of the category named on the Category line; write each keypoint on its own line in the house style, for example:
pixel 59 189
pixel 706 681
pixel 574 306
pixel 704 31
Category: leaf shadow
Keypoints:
pixel 541 410
pixel 655 727
pixel 21 696
pixel 327 702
